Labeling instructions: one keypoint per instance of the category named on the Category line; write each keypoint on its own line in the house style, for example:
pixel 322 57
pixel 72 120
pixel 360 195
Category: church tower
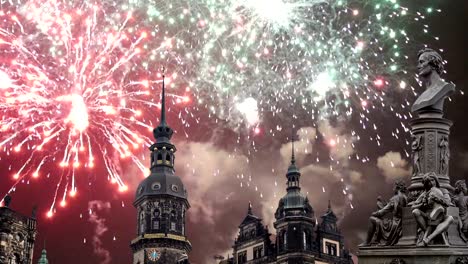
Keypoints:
pixel 295 222
pixel 43 259
pixel 161 203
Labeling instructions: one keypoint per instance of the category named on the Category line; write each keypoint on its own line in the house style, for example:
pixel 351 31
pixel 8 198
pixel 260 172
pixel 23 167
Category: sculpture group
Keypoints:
pixel 428 220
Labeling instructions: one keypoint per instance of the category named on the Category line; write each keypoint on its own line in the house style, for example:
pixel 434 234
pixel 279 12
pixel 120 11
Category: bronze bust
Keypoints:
pixel 429 69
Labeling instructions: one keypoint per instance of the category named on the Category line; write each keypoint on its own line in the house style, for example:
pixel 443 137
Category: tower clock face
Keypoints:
pixel 153 254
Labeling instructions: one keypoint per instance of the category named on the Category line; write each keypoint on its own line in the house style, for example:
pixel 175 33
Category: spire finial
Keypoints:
pixel 163 98
pixel 250 208
pixel 293 158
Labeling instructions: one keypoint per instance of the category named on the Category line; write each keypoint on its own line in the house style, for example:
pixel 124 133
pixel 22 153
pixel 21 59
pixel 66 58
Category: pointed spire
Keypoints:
pixel 163 132
pixel 163 99
pixel 292 169
pixel 293 158
pixel 249 211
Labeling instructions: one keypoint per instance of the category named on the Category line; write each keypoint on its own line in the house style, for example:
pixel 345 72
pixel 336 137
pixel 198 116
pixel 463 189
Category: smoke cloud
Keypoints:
pixel 95 207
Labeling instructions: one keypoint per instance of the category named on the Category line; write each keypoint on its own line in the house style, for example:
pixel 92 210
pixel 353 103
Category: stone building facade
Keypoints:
pixel 17 235
pixel 298 239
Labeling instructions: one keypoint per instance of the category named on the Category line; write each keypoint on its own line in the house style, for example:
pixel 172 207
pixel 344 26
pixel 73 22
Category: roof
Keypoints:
pixel 161 183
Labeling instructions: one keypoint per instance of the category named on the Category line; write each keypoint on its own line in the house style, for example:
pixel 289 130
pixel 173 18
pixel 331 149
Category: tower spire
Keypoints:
pixel 163 98
pixel 249 211
pixel 163 132
pixel 293 158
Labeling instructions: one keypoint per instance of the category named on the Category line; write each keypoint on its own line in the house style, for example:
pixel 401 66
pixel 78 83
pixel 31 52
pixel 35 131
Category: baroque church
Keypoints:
pixel 161 203
pixel 298 239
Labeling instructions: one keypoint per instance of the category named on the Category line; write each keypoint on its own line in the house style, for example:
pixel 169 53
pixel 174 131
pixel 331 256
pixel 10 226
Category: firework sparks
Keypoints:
pixel 76 77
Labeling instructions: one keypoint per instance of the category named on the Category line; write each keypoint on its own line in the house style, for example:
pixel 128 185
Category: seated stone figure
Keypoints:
pixel 430 211
pixel 461 201
pixel 387 231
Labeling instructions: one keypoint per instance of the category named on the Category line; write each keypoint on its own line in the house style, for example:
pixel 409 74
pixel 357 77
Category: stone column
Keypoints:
pixel 430 151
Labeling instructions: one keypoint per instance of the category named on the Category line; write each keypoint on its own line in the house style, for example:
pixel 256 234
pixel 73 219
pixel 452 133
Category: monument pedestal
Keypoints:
pixel 430 151
pixel 407 252
pixel 413 255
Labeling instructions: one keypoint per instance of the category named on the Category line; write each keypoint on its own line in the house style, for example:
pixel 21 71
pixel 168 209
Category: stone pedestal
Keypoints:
pixel 407 251
pixel 413 255
pixel 430 151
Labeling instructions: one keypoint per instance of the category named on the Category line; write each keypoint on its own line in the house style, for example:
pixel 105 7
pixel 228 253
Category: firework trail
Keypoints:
pixel 78 78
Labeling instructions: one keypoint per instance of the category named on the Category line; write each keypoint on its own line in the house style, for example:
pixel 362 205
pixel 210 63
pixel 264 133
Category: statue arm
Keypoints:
pixel 387 208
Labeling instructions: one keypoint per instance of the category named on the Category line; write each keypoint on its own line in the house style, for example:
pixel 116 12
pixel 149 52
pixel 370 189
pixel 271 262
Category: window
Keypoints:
pixel 173 226
pixel 304 239
pixel 168 159
pixel 155 224
pixel 242 257
pixel 159 161
pixel 330 249
pixel 258 252
pixel 142 223
pixel 285 240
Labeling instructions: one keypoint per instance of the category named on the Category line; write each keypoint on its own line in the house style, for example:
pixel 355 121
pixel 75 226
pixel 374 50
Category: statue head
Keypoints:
pixel 399 185
pixel 460 187
pixel 428 61
pixel 430 180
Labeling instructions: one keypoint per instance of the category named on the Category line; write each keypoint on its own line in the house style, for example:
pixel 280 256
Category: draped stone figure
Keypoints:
pixel 416 147
pixel 461 201
pixel 387 230
pixel 430 211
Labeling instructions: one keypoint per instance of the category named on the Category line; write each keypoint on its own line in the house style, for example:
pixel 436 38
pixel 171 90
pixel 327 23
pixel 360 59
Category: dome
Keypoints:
pixel 294 200
pixel 294 203
pixel 161 183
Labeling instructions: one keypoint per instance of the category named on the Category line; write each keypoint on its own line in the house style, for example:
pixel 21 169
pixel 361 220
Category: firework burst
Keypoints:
pixel 76 77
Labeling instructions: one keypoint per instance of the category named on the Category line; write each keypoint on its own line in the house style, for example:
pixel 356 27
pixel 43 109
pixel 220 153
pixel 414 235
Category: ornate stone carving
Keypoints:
pixel 444 155
pixel 430 152
pixel 387 230
pixel 416 147
pixel 397 261
pixel 430 66
pixel 461 260
pixel 430 211
pixel 461 201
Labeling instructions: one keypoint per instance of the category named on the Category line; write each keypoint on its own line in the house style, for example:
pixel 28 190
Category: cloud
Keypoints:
pixel 393 166
pixel 303 146
pixel 340 143
pixel 94 207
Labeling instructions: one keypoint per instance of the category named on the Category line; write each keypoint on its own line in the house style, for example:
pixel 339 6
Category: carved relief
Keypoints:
pixel 461 260
pixel 430 150
pixel 416 147
pixel 444 155
pixel 397 261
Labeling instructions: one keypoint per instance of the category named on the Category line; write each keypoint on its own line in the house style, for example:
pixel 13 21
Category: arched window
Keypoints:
pixel 285 240
pixel 304 239
pixel 142 222
pixel 156 218
pixel 168 158
pixel 173 220
pixel 159 161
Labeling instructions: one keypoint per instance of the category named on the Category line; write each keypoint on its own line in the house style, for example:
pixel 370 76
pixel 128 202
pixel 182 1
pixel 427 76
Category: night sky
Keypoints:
pixel 217 177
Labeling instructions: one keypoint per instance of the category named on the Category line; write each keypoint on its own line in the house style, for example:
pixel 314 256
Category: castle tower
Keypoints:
pixel 17 235
pixel 295 221
pixel 161 203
